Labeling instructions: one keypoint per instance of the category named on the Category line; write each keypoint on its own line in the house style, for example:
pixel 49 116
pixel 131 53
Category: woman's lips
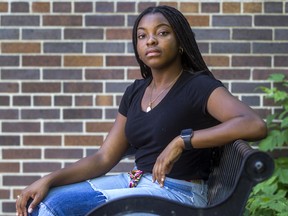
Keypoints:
pixel 152 52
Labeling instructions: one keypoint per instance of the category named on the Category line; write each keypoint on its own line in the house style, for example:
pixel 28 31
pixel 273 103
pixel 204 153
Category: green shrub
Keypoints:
pixel 271 196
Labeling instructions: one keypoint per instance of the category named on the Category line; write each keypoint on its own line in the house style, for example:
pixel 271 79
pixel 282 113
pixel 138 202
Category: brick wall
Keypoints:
pixel 65 64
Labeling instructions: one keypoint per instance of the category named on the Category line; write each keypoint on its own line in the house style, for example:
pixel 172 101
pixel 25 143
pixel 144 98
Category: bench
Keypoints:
pixel 237 168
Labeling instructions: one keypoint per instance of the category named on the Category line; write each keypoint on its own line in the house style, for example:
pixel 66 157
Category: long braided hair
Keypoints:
pixel 191 57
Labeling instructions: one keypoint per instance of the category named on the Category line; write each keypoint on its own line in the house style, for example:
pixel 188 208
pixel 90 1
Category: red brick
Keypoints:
pixel 104 20
pixel 8 207
pixel 20 20
pixel 219 61
pixel 9 140
pixel 20 74
pixel 134 74
pixel 104 74
pixel 4 194
pixel 42 101
pixel 19 180
pixel 21 101
pixel 263 74
pixel 48 61
pixel 171 4
pixel 121 61
pixel 80 140
pixel 210 7
pixel 8 61
pixel 41 7
pixel 62 7
pixel 44 87
pixel 63 100
pixel 4 100
pixel 198 20
pixel 9 87
pixel 87 87
pixel 256 61
pixel 99 127
pixel 36 167
pixel 9 167
pixel 21 153
pixel 119 34
pixel 83 61
pixel 63 20
pixel 20 127
pixel 40 114
pixel 84 101
pixel 3 7
pixel 19 7
pixel 189 7
pixel 83 33
pixel 232 74
pixel 82 113
pixel 83 7
pixel 104 7
pixel 143 5
pixel 61 127
pixel 9 114
pixel 104 100
pixel 252 7
pixel 63 153
pixel 231 7
pixel 42 140
pixel 21 47
pixel 126 6
pixel 281 61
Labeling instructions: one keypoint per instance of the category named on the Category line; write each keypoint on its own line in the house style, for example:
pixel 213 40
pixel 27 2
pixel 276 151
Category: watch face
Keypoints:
pixel 186 135
pixel 186 132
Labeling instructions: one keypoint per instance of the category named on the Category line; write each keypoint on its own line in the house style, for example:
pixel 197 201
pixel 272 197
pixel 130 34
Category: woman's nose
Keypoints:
pixel 151 40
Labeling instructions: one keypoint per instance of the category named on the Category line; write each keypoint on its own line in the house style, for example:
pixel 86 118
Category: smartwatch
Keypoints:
pixel 186 135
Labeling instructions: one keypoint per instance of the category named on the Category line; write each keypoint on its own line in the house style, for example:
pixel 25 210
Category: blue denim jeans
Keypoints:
pixel 78 199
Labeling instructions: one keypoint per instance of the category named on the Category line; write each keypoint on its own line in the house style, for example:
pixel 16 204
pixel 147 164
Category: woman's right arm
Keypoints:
pixel 89 167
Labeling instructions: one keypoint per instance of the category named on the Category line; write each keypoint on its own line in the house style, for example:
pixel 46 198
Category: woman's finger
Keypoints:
pixel 34 203
pixel 21 205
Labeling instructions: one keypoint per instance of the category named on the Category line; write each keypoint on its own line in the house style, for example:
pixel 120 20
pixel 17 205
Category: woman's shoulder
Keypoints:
pixel 200 76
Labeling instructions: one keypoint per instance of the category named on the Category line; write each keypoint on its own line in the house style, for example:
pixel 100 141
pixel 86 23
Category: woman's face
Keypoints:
pixel 157 44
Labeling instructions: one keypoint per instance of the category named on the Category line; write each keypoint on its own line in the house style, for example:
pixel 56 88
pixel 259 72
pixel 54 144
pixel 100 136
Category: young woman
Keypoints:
pixel 173 117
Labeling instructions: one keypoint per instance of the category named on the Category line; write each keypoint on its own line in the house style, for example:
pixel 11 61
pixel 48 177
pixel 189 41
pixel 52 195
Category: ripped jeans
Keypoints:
pixel 80 198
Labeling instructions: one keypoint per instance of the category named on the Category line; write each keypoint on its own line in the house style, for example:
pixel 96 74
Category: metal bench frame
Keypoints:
pixel 237 168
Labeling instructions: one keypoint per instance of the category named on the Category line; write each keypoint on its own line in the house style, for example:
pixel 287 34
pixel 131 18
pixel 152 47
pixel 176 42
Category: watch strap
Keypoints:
pixel 186 135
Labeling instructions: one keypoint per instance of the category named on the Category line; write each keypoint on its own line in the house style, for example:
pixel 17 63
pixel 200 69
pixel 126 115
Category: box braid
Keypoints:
pixel 191 57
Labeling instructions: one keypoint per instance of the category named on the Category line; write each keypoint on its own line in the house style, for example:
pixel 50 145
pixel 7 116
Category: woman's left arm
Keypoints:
pixel 238 121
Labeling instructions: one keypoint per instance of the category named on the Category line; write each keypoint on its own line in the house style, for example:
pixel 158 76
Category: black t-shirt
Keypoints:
pixel 184 106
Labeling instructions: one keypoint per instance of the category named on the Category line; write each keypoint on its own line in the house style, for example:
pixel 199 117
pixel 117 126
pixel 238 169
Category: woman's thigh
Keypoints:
pixel 77 199
pixel 177 190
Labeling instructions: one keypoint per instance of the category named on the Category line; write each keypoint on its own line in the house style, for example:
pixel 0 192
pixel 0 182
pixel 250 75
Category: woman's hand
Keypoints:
pixel 166 160
pixel 36 191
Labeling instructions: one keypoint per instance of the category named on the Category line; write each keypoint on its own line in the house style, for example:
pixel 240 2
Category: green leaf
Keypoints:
pixel 285 135
pixel 277 77
pixel 282 115
pixel 280 96
pixel 270 118
pixel 283 176
pixel 284 122
pixel 267 144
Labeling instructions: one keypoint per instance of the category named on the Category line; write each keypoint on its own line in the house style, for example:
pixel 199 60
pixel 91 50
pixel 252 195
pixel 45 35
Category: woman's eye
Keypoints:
pixel 141 36
pixel 163 33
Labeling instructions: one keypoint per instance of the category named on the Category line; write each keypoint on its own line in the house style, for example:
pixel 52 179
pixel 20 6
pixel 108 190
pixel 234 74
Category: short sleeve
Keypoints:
pixel 125 101
pixel 210 84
